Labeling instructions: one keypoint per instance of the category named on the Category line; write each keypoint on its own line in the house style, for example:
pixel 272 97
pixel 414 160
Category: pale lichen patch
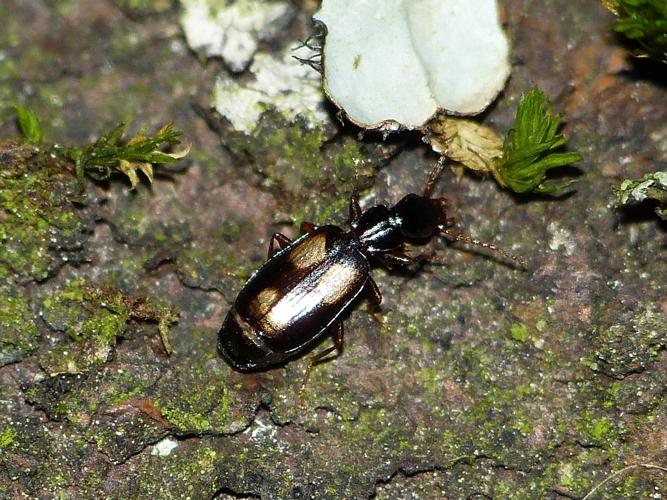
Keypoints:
pixel 281 82
pixel 232 30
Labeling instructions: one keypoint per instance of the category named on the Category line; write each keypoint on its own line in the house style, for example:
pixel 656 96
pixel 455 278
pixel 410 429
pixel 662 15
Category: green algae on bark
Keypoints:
pixel 296 161
pixel 19 335
pixel 632 343
pixel 94 319
pixel 40 226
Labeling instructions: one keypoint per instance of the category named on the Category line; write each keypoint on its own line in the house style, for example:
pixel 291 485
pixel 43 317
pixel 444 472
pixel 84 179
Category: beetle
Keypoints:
pixel 305 288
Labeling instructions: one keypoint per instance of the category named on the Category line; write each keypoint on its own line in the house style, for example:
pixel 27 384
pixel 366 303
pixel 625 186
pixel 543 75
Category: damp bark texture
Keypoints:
pixel 480 379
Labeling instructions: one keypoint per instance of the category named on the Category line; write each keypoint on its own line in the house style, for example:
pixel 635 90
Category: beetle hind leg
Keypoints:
pixel 317 358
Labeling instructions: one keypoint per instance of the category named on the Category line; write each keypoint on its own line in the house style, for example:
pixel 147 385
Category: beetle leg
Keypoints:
pixel 432 179
pixel 405 261
pixel 355 208
pixel 374 297
pixel 282 241
pixel 338 345
pixel 373 292
pixel 307 227
pixel 395 259
pixel 449 221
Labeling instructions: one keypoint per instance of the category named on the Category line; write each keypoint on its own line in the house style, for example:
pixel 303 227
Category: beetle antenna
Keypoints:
pixel 432 179
pixel 459 237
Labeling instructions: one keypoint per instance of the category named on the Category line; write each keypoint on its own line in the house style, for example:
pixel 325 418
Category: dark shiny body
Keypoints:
pixel 301 293
pixel 293 299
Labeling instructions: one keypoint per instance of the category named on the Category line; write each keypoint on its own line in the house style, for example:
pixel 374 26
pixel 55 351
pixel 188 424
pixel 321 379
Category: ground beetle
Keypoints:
pixel 306 286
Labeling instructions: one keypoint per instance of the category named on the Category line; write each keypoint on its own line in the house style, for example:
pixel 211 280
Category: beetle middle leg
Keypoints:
pixel 409 262
pixel 281 240
pixel 313 360
pixel 374 297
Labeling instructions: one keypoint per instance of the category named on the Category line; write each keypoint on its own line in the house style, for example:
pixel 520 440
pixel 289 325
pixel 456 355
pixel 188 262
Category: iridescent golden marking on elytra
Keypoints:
pixel 310 252
pixel 328 288
pixel 264 301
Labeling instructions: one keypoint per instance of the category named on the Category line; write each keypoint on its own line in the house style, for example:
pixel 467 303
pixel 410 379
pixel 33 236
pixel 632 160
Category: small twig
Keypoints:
pixel 618 473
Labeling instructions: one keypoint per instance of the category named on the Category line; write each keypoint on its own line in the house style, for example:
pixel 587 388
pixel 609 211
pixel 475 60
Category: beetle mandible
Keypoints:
pixel 302 291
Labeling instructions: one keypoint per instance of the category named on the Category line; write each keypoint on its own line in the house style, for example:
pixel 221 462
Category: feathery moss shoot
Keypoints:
pixel 644 22
pixel 110 154
pixel 29 124
pixel 532 147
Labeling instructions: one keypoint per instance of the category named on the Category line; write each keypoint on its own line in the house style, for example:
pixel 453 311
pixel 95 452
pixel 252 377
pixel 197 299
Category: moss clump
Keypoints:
pixel 600 429
pixel 94 318
pixel 300 161
pixel 644 22
pixel 519 332
pixel 18 332
pixel 210 263
pixel 8 436
pixel 533 147
pixel 632 344
pixel 40 227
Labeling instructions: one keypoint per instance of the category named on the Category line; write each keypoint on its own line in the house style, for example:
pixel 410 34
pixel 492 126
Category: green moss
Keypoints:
pixel 430 378
pixel 144 7
pixel 600 429
pixel 94 318
pixel 39 225
pixel 572 479
pixel 7 437
pixel 631 344
pixel 519 332
pixel 18 332
pixel 198 400
pixel 191 473
pixel 644 22
pixel 300 161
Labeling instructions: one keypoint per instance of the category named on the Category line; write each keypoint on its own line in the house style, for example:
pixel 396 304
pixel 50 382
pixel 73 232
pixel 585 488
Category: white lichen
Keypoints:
pixel 232 30
pixel 164 448
pixel 291 88
pixel 561 239
pixel 395 62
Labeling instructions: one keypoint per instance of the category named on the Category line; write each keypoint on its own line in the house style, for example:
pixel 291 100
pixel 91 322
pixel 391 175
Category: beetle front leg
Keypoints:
pixel 396 259
pixel 432 179
pixel 313 360
pixel 405 261
pixel 281 240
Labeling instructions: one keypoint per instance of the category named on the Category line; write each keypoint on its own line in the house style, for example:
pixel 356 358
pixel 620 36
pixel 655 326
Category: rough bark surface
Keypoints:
pixel 481 380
